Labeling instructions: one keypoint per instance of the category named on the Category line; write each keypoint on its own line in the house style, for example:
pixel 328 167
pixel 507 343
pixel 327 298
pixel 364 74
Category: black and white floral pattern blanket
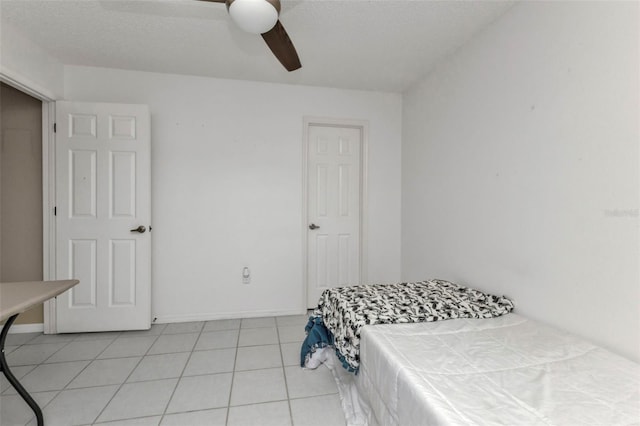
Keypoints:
pixel 345 310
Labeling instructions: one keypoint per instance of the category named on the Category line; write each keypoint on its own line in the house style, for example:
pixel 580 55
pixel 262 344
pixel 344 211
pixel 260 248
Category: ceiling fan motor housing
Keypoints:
pixel 254 16
pixel 261 17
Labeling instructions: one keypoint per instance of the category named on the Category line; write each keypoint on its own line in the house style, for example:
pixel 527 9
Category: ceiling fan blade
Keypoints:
pixel 282 47
pixel 215 1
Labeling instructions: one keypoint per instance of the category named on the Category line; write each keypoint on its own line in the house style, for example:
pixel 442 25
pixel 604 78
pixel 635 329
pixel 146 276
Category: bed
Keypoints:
pixel 505 369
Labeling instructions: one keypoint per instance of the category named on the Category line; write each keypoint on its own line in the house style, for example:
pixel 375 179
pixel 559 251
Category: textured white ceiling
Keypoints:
pixel 384 45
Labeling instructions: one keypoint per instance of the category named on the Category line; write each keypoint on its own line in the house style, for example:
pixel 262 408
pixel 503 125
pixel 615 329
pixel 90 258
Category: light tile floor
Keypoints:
pixel 228 372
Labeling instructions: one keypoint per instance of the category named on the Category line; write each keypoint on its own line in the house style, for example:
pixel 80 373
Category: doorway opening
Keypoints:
pixel 21 192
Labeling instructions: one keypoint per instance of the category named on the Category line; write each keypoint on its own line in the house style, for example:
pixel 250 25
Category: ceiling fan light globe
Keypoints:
pixel 253 16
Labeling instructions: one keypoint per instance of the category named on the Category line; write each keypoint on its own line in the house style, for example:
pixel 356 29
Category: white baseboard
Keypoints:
pixel 26 328
pixel 165 319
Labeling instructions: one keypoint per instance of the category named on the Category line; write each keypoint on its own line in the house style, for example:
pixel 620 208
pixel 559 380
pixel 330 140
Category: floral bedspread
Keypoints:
pixel 343 311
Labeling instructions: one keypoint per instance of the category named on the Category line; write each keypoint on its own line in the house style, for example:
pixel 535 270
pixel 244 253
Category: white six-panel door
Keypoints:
pixel 102 194
pixel 334 203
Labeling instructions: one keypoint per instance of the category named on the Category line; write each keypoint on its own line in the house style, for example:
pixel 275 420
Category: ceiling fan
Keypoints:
pixel 261 17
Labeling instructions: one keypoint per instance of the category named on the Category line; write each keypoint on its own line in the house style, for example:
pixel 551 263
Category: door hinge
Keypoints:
pixel 55 127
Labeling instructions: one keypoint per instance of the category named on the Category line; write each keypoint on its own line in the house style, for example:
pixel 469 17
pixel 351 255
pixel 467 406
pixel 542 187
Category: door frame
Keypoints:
pixel 48 98
pixel 363 126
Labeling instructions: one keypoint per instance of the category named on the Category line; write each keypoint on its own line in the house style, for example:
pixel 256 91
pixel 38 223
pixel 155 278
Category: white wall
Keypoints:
pixel 520 168
pixel 226 185
pixel 24 63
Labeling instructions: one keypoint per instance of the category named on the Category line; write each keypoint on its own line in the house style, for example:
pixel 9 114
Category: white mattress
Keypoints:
pixel 505 370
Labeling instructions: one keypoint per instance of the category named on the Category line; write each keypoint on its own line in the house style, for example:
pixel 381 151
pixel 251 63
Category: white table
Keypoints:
pixel 15 298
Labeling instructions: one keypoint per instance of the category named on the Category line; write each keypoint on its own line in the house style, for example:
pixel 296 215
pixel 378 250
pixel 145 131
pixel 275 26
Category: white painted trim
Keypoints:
pixel 363 125
pixel 25 85
pixel 48 204
pixel 364 208
pixel 26 328
pixel 304 279
pixel 167 319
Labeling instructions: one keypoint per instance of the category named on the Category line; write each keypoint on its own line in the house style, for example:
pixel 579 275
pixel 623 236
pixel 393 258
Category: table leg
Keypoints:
pixel 11 378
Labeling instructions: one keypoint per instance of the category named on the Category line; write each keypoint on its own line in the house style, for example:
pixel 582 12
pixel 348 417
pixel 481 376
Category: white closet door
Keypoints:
pixel 103 217
pixel 334 198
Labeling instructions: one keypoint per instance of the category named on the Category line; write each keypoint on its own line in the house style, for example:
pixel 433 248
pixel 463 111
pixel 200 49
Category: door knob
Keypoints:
pixel 141 229
pixel 313 226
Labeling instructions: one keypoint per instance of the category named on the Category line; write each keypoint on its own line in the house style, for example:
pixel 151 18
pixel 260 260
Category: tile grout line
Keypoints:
pixel 233 375
pixel 4 391
pixel 284 374
pixel 35 335
pixel 38 365
pixel 164 412
pixel 126 378
pixel 44 362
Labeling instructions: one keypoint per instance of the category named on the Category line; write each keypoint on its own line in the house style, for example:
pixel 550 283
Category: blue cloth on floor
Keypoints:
pixel 317 337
